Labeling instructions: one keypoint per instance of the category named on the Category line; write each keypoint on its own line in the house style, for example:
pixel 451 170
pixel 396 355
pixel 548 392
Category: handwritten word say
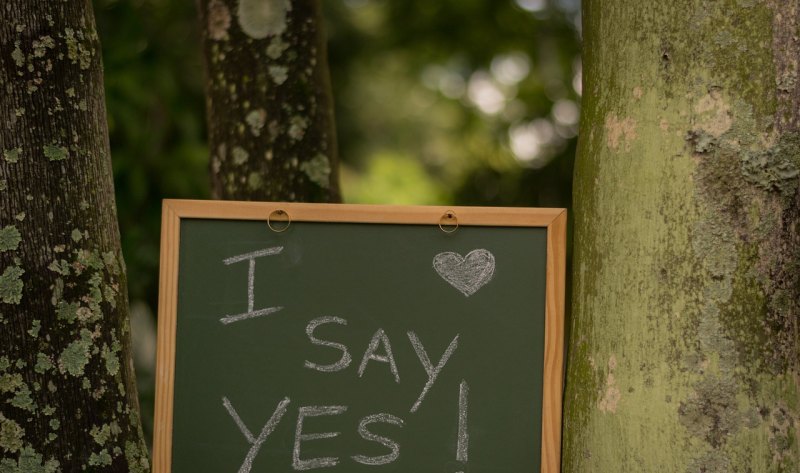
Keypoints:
pixel 379 350
pixel 465 273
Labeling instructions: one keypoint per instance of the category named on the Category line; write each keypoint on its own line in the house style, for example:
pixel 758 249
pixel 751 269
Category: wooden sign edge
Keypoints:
pixel 555 220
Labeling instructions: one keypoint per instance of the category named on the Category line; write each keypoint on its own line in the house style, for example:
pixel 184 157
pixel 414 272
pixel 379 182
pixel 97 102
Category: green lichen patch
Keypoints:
pixel 43 363
pixel 77 50
pixel 22 398
pixel 111 262
pixel 59 266
pixel 103 433
pixel 29 461
pixel 12 155
pixel 255 120
pixel 261 18
pixel 701 142
pixel 76 235
pixel 41 45
pixel 279 74
pixel 10 382
pixel 17 55
pixel 254 181
pixel 55 152
pixel 87 259
pixel 103 458
pixel 36 326
pixel 777 168
pixel 76 355
pixel 318 169
pixel 111 359
pixel 3 184
pixel 54 424
pixel 110 295
pixel 9 238
pixel 11 435
pixel 711 412
pixel 240 156
pixel 297 127
pixel 67 311
pixel 276 47
pixel 219 20
pixel 11 285
pixel 136 456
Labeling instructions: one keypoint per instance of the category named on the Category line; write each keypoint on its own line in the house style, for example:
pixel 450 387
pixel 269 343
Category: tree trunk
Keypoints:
pixel 67 388
pixel 684 345
pixel 270 115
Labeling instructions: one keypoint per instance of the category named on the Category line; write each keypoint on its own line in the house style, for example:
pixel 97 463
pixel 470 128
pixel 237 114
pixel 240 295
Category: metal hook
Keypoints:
pixel 449 215
pixel 279 212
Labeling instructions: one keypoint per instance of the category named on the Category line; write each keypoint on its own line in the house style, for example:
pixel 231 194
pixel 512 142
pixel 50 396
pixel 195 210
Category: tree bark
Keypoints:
pixel 270 115
pixel 684 345
pixel 67 388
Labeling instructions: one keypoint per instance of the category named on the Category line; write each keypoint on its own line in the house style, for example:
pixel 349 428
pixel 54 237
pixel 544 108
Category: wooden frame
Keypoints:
pixel 555 220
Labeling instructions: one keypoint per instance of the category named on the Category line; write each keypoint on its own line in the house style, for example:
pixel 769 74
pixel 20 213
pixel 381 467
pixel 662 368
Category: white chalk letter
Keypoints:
pixel 344 361
pixel 299 436
pixel 265 432
pixel 379 337
pixel 433 372
pixel 388 443
pixel 251 278
pixel 463 434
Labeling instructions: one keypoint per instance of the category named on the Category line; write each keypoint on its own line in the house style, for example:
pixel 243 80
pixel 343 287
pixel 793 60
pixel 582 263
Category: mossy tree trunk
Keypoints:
pixel 67 388
pixel 270 113
pixel 684 352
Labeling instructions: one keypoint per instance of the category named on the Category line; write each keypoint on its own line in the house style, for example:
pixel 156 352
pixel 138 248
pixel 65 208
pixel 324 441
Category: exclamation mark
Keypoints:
pixel 463 435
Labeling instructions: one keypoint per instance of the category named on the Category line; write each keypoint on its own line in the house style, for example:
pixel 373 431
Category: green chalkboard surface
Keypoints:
pixel 358 347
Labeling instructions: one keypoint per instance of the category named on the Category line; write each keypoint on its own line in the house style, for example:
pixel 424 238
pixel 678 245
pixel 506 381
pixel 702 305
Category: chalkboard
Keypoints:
pixel 343 338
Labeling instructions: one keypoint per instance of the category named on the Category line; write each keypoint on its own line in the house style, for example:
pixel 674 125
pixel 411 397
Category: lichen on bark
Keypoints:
pixel 269 104
pixel 64 338
pixel 687 246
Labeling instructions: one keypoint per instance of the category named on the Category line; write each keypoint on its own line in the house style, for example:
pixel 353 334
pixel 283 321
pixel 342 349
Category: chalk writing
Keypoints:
pixel 320 462
pixel 432 371
pixel 463 435
pixel 344 361
pixel 465 273
pixel 251 277
pixel 388 443
pixel 256 442
pixel 379 338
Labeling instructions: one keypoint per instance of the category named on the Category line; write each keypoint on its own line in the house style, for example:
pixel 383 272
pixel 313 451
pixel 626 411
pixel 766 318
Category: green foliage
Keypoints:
pixel 447 101
pixel 154 95
pixel 480 93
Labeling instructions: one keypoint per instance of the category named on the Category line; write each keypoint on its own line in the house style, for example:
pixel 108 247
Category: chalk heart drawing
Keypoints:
pixel 465 273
